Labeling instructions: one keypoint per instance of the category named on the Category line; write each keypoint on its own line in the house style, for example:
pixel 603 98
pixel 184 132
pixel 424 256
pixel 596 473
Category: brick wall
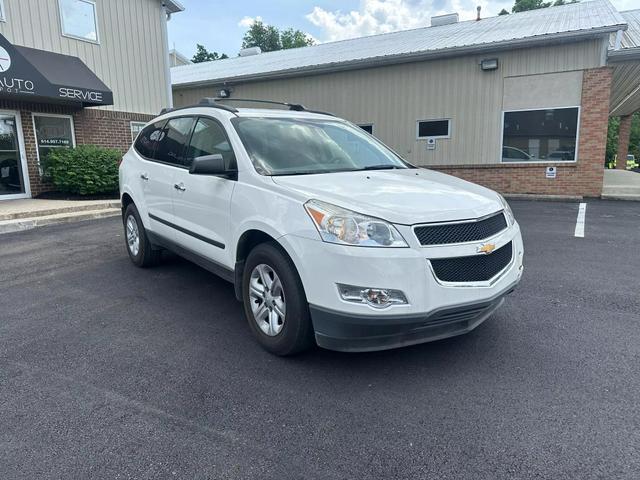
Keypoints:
pixel 96 127
pixel 106 128
pixel 624 134
pixel 583 178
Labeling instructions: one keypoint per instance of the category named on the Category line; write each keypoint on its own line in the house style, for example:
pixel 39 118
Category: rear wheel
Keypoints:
pixel 274 302
pixel 139 247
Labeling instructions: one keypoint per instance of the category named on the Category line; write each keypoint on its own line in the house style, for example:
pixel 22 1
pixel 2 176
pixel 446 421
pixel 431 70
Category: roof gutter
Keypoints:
pixel 623 55
pixel 412 57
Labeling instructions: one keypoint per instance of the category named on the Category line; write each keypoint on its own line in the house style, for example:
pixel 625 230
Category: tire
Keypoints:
pixel 142 253
pixel 292 333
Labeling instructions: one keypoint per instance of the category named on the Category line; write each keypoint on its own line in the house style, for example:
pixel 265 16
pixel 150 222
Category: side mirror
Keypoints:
pixel 210 165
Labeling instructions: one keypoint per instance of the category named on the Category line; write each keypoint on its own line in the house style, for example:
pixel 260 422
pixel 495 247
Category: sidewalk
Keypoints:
pixel 621 185
pixel 17 215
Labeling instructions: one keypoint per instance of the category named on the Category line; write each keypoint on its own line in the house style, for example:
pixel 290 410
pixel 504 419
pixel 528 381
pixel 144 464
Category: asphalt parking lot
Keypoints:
pixel 108 371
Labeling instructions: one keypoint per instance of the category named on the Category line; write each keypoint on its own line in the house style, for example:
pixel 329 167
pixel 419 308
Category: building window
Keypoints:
pixel 3 17
pixel 52 131
pixel 79 19
pixel 136 128
pixel 367 128
pixel 434 128
pixel 549 135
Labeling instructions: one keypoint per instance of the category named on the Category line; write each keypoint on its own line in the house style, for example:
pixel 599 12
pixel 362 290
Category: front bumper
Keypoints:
pixel 435 309
pixel 350 333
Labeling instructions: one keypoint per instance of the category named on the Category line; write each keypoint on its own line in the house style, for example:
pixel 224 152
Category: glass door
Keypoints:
pixel 12 181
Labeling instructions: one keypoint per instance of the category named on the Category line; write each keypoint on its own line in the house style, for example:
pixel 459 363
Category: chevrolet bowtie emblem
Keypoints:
pixel 486 248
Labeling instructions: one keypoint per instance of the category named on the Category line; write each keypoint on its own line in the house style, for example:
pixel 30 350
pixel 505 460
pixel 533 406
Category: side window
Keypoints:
pixel 210 138
pixel 175 135
pixel 148 139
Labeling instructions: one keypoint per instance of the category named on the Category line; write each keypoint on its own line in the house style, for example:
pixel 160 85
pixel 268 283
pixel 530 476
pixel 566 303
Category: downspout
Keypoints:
pixel 166 16
pixel 618 41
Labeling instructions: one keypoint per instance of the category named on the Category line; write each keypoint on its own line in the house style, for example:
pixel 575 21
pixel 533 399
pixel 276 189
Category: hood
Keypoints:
pixel 406 197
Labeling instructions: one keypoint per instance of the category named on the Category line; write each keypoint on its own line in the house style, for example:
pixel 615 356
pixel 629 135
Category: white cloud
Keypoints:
pixel 382 16
pixel 246 22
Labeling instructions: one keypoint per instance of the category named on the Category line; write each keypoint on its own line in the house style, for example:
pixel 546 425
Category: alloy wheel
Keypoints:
pixel 133 235
pixel 267 299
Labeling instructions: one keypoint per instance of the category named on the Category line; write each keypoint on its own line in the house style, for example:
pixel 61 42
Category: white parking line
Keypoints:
pixel 582 211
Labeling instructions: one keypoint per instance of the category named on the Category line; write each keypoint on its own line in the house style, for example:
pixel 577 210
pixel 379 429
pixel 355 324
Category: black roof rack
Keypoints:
pixel 205 102
pixel 214 102
pixel 296 107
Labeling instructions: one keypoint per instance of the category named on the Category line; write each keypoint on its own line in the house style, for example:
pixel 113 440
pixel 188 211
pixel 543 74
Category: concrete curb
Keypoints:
pixel 21 224
pixel 629 197
pixel 59 210
pixel 544 198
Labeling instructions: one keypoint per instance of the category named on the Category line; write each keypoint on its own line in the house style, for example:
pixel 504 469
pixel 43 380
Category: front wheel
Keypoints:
pixel 140 250
pixel 274 302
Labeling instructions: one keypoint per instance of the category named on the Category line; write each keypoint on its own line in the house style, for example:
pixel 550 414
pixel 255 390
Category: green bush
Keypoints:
pixel 84 170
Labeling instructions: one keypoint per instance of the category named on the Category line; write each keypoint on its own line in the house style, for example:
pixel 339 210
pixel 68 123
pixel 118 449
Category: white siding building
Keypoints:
pixel 74 72
pixel 496 101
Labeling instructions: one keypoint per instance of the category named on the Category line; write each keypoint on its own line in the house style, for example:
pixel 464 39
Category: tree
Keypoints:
pixel 612 141
pixel 291 38
pixel 503 12
pixel 525 5
pixel 203 55
pixel 269 38
pixel 612 138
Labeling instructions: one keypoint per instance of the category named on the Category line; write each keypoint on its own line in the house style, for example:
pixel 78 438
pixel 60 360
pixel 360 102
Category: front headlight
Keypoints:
pixel 344 227
pixel 507 211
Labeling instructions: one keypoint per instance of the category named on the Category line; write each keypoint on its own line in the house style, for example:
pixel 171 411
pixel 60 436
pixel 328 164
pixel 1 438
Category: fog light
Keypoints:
pixel 376 297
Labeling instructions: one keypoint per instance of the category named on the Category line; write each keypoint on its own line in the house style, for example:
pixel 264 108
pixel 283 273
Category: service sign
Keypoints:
pixel 21 75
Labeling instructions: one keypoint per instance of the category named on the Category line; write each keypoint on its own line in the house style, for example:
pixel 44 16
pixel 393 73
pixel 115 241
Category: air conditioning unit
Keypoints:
pixel 248 52
pixel 447 19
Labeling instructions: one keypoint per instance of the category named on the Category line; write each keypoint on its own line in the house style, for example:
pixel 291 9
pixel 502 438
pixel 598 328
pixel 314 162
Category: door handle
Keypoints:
pixel 144 177
pixel 180 186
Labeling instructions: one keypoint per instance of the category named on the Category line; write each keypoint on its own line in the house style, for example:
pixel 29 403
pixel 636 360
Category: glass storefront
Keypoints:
pixel 11 174
pixel 540 135
pixel 52 132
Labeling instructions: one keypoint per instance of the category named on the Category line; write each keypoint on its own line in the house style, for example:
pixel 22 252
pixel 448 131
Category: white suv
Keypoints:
pixel 328 236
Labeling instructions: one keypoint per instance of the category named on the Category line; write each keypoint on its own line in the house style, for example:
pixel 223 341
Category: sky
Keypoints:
pixel 220 24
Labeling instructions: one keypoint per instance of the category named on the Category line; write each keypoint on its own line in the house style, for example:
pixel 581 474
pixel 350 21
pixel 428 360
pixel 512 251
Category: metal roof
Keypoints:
pixel 588 18
pixel 173 6
pixel 631 38
pixel 625 89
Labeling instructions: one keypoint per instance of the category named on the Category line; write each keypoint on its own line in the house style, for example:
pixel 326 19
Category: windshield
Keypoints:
pixel 291 146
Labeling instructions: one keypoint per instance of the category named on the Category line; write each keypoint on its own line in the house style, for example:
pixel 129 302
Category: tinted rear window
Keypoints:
pixel 148 139
pixel 175 135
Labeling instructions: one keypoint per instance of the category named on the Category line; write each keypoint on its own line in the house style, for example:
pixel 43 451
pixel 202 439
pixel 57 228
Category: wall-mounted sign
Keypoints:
pixel 43 75
pixel 431 143
pixel 5 60
pixel 550 172
pixel 54 142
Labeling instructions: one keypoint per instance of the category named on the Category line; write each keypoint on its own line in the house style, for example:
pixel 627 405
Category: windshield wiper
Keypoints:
pixel 385 166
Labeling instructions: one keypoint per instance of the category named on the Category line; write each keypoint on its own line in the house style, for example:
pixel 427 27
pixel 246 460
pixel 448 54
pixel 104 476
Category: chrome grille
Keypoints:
pixel 475 268
pixel 474 231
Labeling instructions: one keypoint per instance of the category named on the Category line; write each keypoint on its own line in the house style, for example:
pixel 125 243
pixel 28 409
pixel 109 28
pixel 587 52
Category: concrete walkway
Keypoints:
pixel 621 185
pixel 17 215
